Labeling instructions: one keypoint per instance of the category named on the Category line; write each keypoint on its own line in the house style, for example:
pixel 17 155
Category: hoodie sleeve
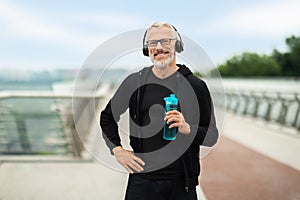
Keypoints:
pixel 110 116
pixel 207 132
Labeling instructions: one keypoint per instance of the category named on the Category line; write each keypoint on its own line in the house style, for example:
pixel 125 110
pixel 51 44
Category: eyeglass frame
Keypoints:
pixel 160 41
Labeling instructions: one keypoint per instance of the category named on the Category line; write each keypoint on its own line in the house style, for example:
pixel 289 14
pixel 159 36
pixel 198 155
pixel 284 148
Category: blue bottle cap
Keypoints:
pixel 173 99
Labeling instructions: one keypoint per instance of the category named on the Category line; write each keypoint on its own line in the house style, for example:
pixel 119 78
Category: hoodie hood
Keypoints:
pixel 184 70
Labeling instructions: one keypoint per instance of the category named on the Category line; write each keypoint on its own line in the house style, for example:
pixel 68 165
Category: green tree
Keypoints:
pixel 289 61
pixel 250 64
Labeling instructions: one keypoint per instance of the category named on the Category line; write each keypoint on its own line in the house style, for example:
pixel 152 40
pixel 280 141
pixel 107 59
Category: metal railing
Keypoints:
pixel 275 107
pixel 46 126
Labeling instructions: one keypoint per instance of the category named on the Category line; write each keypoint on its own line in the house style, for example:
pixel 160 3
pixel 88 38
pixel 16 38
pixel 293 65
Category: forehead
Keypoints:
pixel 156 33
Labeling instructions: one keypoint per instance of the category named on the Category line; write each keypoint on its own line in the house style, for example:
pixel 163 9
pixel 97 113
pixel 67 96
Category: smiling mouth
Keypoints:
pixel 160 53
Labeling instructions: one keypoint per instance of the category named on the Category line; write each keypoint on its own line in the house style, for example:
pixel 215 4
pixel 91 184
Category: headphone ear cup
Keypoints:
pixel 145 46
pixel 145 50
pixel 179 46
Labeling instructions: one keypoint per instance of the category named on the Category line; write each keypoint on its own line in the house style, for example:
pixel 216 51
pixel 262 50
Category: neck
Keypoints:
pixel 164 72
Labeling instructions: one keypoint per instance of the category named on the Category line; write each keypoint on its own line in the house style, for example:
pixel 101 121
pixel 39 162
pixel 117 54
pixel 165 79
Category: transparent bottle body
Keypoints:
pixel 170 133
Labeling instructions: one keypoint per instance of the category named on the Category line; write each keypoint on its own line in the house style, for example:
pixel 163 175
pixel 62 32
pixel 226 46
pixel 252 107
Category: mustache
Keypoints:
pixel 160 52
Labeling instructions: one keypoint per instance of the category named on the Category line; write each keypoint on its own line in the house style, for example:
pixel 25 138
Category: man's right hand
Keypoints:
pixel 128 160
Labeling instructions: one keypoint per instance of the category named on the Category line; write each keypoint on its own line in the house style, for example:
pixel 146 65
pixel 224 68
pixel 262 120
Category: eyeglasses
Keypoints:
pixel 164 42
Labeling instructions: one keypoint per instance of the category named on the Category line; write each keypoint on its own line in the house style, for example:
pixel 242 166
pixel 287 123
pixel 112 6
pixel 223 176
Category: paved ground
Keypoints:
pixel 50 180
pixel 233 171
pixel 56 179
pixel 251 161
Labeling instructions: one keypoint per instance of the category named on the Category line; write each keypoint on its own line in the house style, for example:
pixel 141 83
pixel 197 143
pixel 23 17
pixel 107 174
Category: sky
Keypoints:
pixel 58 34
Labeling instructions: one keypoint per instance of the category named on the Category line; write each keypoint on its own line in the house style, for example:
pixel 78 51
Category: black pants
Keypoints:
pixel 139 188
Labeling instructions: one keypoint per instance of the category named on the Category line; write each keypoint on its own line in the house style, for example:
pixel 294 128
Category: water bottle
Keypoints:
pixel 171 103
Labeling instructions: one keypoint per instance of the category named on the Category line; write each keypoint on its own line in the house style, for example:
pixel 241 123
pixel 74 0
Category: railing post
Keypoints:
pixel 257 100
pixel 22 133
pixel 297 116
pixel 268 113
pixel 246 97
pixel 238 101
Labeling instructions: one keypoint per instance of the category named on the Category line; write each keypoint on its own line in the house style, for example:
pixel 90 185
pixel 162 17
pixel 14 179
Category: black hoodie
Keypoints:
pixel 196 106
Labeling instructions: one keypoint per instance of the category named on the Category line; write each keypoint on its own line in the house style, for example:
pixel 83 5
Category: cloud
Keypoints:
pixel 22 23
pixel 111 19
pixel 272 19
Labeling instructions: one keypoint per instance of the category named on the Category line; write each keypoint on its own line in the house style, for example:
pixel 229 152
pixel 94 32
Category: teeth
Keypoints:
pixel 161 53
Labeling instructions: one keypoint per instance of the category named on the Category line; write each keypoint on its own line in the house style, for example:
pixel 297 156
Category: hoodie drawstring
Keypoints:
pixel 186 176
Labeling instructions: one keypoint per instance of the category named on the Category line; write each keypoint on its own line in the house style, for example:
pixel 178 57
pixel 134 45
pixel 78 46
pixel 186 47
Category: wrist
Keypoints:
pixel 116 149
pixel 187 129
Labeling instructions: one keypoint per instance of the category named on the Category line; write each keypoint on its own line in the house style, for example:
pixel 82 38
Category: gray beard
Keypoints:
pixel 162 64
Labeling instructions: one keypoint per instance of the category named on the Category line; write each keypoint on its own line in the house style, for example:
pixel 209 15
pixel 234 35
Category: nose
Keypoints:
pixel 159 46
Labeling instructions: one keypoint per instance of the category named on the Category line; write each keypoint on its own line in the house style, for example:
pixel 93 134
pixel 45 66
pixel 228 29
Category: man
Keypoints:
pixel 161 169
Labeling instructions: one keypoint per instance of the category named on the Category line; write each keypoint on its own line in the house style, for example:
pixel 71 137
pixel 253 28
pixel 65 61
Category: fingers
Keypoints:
pixel 129 161
pixel 175 119
pixel 140 161
pixel 173 112
pixel 128 169
pixel 174 116
pixel 135 166
pixel 174 125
